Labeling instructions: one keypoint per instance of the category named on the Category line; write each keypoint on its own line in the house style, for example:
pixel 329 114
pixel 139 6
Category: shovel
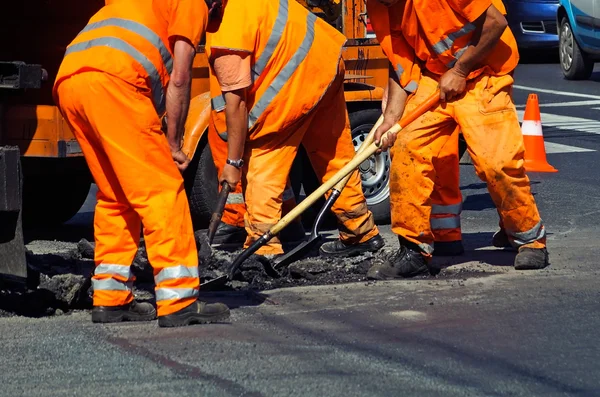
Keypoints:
pixel 315 237
pixel 318 193
pixel 215 219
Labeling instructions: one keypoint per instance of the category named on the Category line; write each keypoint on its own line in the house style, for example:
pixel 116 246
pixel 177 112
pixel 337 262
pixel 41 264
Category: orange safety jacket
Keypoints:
pixel 432 35
pixel 124 39
pixel 295 57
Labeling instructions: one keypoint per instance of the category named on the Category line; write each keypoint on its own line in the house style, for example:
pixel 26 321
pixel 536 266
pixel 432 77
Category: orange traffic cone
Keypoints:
pixel 535 151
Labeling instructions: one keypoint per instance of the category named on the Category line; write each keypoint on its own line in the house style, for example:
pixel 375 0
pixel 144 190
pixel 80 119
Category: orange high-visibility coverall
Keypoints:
pixel 296 97
pixel 485 113
pixel 111 90
pixel 446 198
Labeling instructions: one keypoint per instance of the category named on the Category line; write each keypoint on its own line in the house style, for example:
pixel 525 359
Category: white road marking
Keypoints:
pixel 567 122
pixel 535 90
pixel 564 104
pixel 553 148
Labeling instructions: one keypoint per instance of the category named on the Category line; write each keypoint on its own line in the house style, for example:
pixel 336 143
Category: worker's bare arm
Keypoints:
pixel 178 99
pixel 396 99
pixel 236 115
pixel 489 28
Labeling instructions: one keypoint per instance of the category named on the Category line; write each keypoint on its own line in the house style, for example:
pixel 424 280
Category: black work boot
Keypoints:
pixel 448 248
pixel 134 311
pixel 338 248
pixel 292 233
pixel 198 312
pixel 404 263
pixel 531 258
pixel 229 235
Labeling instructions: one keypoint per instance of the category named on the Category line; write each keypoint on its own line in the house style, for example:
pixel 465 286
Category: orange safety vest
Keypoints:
pixel 124 39
pixel 295 57
pixel 434 34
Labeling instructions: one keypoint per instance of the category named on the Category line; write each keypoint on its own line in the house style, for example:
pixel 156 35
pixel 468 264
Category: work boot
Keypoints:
pixel 531 258
pixel 404 263
pixel 500 239
pixel 134 311
pixel 230 235
pixel 339 248
pixel 448 248
pixel 198 312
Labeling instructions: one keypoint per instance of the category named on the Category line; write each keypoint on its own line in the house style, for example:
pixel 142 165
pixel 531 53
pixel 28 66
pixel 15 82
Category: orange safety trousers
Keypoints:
pixel 487 117
pixel 233 213
pixel 325 134
pixel 138 183
pixel 446 198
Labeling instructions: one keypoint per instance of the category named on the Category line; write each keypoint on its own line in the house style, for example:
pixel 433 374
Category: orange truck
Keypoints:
pixel 56 181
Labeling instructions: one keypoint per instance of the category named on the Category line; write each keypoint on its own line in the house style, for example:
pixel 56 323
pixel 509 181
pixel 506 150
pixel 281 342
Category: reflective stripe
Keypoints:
pixel 412 86
pixel 399 71
pixel 163 294
pixel 445 223
pixel 235 198
pixel 285 74
pixel 445 44
pixel 529 236
pixel 274 39
pixel 158 95
pixel 140 29
pixel 218 103
pixel 223 135
pixel 174 272
pixel 457 56
pixel 119 270
pixel 428 249
pixel 288 194
pixel 110 284
pixel 454 209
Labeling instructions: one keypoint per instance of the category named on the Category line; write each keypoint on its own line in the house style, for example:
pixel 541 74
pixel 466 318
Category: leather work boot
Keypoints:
pixel 531 258
pixel 405 263
pixel 134 311
pixel 198 312
pixel 338 248
pixel 448 248
pixel 227 234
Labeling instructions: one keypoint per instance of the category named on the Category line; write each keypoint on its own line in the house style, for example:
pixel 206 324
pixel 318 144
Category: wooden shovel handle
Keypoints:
pixel 361 156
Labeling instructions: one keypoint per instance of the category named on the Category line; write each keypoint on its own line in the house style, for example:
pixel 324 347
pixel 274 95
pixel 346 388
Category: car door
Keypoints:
pixel 583 15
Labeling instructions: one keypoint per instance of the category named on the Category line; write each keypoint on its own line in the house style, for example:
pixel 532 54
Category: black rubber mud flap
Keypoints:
pixel 13 264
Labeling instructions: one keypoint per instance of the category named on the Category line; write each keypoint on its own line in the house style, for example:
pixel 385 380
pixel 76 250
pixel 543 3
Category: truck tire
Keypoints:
pixel 574 63
pixel 375 172
pixel 53 190
pixel 201 185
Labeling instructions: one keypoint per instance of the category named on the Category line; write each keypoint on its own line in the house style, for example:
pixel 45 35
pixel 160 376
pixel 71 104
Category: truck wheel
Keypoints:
pixel 201 186
pixel 53 190
pixel 375 172
pixel 575 64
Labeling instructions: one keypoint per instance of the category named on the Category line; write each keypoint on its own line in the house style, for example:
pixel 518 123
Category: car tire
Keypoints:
pixel 574 63
pixel 201 185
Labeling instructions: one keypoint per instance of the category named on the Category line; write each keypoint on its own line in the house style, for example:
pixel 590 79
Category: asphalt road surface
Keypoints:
pixel 482 329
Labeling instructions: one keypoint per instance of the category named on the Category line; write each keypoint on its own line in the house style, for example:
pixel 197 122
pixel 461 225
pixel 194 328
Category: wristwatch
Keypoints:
pixel 236 163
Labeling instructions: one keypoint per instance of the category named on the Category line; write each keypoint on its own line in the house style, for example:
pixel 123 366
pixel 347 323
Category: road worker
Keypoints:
pixel 465 49
pixel 446 198
pixel 280 76
pixel 125 68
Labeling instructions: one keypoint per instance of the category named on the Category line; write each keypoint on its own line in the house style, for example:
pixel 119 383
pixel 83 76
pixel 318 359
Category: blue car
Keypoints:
pixel 579 38
pixel 533 22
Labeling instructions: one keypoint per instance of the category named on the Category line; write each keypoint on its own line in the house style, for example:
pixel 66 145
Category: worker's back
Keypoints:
pixel 295 57
pixel 126 40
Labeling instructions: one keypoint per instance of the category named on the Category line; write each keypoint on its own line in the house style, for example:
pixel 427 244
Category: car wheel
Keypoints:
pixel 202 188
pixel 574 63
pixel 375 171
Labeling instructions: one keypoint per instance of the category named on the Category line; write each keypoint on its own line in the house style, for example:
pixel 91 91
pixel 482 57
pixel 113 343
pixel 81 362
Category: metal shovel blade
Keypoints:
pixel 304 248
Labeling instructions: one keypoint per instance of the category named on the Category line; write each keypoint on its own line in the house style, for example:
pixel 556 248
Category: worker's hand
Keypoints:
pixel 452 84
pixel 180 159
pixel 388 140
pixel 232 175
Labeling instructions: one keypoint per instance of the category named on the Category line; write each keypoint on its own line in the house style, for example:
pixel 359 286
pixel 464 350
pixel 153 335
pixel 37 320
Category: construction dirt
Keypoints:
pixel 65 283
